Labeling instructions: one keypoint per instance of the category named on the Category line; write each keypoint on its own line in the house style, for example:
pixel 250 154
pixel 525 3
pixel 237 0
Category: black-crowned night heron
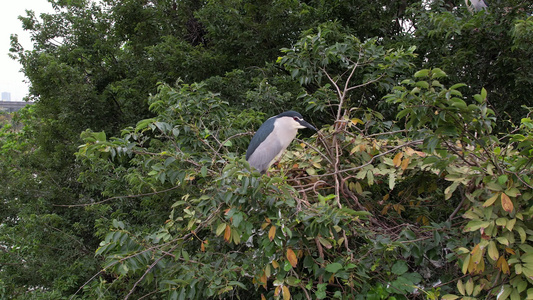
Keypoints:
pixel 273 137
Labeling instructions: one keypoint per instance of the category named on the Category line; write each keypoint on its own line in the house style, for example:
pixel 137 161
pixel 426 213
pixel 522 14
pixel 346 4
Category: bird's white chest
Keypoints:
pixel 285 132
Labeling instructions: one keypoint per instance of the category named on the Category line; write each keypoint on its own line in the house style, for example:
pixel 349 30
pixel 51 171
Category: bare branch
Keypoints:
pixel 118 197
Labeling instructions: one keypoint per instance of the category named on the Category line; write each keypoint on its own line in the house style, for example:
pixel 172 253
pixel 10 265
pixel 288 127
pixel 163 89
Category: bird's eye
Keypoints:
pixel 295 118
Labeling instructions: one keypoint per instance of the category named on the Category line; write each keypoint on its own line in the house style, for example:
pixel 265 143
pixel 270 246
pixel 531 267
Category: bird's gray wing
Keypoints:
pixel 260 135
pixel 263 156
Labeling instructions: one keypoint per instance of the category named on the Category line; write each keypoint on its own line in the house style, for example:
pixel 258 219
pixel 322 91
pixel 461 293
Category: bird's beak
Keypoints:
pixel 304 123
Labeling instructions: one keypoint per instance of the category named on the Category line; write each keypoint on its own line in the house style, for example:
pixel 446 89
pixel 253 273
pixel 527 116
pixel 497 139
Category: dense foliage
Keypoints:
pixel 127 178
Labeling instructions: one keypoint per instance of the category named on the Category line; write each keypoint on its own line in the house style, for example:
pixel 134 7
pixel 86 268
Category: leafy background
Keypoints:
pixel 126 179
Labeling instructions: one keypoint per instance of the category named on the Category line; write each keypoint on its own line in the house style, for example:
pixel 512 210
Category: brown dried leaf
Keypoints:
pixel 291 256
pixel 405 163
pixel 263 280
pixel 272 233
pixel 227 233
pixel 397 160
pixel 507 204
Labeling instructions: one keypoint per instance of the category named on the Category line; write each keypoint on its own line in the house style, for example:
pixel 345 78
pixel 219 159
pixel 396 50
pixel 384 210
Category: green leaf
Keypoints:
pixel 437 73
pixel 239 284
pixel 100 136
pixel 502 179
pixel 456 102
pixel 457 85
pixel 392 181
pixel 400 267
pixel 422 73
pixel 333 267
pixel 507 289
pixel 483 93
pixel 324 242
pixel 293 281
pixel 422 84
pixel 404 113
pixel 220 228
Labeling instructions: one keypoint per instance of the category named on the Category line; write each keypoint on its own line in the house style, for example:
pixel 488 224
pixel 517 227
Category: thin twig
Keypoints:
pixel 463 197
pixel 170 250
pixel 148 271
pixel 118 197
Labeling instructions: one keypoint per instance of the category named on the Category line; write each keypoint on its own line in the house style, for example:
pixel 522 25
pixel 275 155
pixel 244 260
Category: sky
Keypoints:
pixel 11 79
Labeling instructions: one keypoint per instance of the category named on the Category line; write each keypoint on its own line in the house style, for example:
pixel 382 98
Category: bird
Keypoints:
pixel 476 5
pixel 273 137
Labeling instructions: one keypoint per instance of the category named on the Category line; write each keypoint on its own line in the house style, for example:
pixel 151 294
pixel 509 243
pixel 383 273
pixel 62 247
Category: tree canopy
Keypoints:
pixel 127 178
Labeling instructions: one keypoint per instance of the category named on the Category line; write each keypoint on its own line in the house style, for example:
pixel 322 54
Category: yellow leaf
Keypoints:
pixel 503 265
pixel 272 233
pixel 263 297
pixel 480 268
pixel 286 293
pixel 358 188
pixel 385 209
pixel 477 254
pixel 405 163
pixel 461 287
pixel 291 256
pixel 422 220
pixel 227 233
pixel 277 291
pixel 263 280
pixel 507 204
pixel 491 200
pixel 386 197
pixel 493 251
pixel 449 297
pixel 397 160
pixel 469 286
pixel 409 151
pixel 398 208
pixel 324 242
pixel 510 224
pixel 509 250
pixel 356 120
pixel 471 265
pixel 236 236
pixel 466 263
pixel 275 264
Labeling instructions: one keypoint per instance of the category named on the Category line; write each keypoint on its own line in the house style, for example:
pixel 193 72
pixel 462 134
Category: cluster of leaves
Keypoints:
pixel 492 175
pixel 334 220
pixel 488 49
